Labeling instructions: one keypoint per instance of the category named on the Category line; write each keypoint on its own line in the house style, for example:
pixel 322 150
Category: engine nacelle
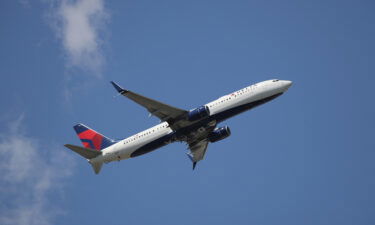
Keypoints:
pixel 199 113
pixel 219 134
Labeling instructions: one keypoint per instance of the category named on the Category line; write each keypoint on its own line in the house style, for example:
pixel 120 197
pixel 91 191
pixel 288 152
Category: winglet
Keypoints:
pixel 118 88
pixel 194 164
pixel 192 159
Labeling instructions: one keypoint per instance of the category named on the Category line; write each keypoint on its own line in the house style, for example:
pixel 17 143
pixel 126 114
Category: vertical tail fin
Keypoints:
pixel 92 139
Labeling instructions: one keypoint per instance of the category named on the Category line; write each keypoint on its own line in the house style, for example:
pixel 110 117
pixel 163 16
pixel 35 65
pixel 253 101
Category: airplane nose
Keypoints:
pixel 288 83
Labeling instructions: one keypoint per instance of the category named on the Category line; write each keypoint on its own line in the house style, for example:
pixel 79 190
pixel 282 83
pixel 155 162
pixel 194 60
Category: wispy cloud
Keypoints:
pixel 24 3
pixel 80 26
pixel 29 178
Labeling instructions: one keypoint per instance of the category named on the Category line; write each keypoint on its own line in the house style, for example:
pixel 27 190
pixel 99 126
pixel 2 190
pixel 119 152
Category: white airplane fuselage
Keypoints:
pixel 220 110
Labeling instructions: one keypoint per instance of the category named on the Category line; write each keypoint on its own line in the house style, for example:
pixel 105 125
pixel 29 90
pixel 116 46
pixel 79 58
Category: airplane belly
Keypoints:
pixel 153 145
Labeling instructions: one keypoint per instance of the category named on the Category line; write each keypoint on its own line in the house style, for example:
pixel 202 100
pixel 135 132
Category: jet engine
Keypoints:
pixel 199 113
pixel 219 134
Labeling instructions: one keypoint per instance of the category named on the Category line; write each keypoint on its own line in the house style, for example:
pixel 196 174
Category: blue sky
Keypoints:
pixel 304 158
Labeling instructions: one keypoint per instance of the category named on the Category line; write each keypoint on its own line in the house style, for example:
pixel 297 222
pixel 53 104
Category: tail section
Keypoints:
pixel 90 154
pixel 84 152
pixel 92 139
pixel 93 143
pixel 96 166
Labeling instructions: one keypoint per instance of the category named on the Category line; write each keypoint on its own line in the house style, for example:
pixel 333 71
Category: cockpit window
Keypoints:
pixel 275 80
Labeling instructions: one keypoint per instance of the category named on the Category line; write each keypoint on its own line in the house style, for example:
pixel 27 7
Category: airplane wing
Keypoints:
pixel 197 151
pixel 198 142
pixel 163 111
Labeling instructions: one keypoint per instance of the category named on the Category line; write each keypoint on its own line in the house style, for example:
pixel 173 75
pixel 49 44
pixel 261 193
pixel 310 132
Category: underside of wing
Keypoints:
pixel 197 151
pixel 198 142
pixel 163 111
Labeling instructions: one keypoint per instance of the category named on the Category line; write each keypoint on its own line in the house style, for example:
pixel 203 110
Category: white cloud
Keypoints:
pixel 80 25
pixel 29 178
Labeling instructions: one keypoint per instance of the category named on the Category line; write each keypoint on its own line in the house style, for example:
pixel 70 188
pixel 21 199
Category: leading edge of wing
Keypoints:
pixel 161 110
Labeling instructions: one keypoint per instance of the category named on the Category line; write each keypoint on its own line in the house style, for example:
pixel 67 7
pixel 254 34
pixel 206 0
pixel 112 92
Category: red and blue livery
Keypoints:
pixel 92 139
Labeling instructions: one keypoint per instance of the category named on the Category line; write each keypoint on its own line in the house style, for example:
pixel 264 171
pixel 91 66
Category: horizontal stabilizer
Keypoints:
pixel 85 152
pixel 96 167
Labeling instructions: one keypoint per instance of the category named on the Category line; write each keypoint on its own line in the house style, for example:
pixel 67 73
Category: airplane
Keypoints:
pixel 196 127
